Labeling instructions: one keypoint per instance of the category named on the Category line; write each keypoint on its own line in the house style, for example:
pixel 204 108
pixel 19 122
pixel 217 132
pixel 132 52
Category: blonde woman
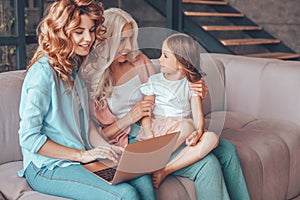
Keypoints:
pixel 54 114
pixel 116 106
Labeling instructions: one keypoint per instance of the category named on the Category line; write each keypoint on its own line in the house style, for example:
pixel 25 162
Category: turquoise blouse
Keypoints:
pixel 48 111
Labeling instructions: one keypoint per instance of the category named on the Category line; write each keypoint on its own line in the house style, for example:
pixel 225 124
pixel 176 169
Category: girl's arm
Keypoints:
pixel 198 118
pixel 146 121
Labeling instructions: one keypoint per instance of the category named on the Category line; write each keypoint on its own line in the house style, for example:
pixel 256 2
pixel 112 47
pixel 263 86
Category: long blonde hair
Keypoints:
pixel 54 34
pixel 95 69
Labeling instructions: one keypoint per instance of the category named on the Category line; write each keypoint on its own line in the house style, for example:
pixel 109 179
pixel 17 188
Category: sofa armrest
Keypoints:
pixel 10 87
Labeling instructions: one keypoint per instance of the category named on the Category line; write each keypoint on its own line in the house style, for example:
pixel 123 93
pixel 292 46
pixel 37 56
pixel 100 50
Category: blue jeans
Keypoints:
pixel 232 171
pixel 216 176
pixel 75 182
pixel 210 173
pixel 207 176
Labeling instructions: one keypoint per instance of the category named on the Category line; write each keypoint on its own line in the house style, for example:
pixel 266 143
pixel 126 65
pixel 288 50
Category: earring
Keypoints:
pixel 179 67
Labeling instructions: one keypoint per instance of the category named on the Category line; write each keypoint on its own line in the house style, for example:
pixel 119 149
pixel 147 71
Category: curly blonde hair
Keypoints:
pixel 54 34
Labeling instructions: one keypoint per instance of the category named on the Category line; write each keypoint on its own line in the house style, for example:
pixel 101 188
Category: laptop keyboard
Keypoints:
pixel 107 174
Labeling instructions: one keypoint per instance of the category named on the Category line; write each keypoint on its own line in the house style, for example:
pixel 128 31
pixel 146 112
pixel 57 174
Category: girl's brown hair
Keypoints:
pixel 187 52
pixel 54 34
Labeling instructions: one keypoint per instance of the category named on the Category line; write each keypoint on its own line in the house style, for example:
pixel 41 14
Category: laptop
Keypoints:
pixel 138 158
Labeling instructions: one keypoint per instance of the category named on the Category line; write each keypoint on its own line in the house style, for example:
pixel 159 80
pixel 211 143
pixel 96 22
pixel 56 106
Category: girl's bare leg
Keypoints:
pixel 187 156
pixel 186 128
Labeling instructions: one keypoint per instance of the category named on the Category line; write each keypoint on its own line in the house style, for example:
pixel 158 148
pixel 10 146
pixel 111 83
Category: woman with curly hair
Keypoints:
pixel 54 129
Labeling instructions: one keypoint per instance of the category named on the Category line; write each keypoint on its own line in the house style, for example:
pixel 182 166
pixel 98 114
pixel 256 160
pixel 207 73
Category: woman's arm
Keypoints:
pixel 102 149
pixel 55 150
pixel 200 88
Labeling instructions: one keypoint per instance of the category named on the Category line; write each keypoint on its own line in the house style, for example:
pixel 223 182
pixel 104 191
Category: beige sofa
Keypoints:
pixel 255 103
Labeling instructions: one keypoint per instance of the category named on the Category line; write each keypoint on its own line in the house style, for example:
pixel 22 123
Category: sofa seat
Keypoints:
pixel 14 187
pixel 268 152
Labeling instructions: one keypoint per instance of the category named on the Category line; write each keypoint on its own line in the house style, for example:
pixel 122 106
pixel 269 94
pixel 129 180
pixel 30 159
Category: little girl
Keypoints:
pixel 177 108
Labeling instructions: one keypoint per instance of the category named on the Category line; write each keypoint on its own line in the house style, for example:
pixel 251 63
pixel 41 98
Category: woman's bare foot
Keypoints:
pixel 158 177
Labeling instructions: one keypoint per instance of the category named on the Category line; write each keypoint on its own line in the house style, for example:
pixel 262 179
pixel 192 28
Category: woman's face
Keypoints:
pixel 168 61
pixel 125 44
pixel 84 35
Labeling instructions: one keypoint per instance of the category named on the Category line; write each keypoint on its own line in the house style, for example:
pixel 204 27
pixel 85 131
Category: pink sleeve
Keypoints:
pixel 103 118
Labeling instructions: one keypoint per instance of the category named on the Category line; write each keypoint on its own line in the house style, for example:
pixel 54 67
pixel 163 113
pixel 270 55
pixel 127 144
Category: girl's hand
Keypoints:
pixel 140 110
pixel 193 139
pixel 200 88
pixel 106 152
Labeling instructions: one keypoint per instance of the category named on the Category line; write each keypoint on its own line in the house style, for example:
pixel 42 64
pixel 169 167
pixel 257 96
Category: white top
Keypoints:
pixel 172 98
pixel 125 96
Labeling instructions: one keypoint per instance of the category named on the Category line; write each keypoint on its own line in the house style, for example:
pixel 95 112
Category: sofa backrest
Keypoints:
pixel 264 88
pixel 10 92
pixel 215 79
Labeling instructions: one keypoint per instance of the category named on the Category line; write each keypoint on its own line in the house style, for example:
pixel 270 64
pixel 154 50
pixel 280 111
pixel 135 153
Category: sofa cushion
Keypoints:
pixel 290 134
pixel 268 152
pixel 214 79
pixel 10 87
pixel 260 87
pixel 279 91
pixel 14 187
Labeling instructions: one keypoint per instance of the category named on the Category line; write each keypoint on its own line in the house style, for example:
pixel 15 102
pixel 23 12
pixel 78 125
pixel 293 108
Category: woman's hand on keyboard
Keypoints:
pixel 105 152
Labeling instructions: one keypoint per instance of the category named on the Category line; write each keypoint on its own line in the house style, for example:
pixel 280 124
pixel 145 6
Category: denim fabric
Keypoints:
pixel 75 182
pixel 216 176
pixel 144 186
pixel 232 171
pixel 207 176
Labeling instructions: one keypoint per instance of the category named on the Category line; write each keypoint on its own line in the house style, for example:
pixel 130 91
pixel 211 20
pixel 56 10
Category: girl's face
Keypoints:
pixel 168 61
pixel 125 44
pixel 84 35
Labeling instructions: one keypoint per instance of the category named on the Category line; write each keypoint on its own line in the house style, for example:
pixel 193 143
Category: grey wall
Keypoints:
pixel 141 11
pixel 281 18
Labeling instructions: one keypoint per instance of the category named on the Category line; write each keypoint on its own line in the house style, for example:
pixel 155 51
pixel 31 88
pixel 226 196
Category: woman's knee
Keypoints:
pixel 131 194
pixel 225 149
pixel 212 164
pixel 227 154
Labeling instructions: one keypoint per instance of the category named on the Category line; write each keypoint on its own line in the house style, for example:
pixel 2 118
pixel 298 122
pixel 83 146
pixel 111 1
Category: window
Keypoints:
pixel 18 21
